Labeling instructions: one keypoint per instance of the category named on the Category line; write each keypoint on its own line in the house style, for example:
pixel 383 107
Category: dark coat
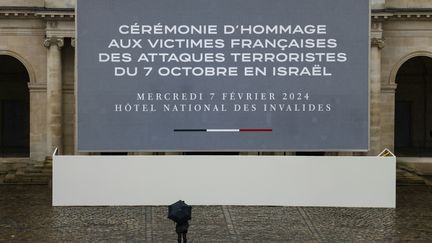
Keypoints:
pixel 182 227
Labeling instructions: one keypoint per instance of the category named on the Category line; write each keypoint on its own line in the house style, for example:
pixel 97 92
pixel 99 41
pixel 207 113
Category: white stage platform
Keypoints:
pixel 225 180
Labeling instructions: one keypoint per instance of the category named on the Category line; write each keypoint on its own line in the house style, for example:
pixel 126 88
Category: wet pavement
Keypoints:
pixel 26 215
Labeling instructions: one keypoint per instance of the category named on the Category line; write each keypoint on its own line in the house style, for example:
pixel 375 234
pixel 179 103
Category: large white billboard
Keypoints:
pixel 222 75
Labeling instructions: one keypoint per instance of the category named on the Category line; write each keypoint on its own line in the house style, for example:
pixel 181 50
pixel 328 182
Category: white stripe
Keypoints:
pixel 223 130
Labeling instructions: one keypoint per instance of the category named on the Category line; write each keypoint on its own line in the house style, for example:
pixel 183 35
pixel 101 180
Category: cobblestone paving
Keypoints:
pixel 26 215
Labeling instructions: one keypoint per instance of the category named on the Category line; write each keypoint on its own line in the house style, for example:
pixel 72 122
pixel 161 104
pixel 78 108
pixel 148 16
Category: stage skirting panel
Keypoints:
pixel 225 180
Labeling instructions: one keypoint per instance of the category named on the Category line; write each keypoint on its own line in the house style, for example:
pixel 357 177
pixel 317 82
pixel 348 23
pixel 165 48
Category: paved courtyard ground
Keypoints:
pixel 26 215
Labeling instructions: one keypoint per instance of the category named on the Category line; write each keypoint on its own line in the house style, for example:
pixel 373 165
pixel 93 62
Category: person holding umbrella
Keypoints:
pixel 182 229
pixel 180 213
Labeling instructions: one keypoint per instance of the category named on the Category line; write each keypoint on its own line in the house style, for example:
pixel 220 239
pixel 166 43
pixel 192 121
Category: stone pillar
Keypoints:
pixel 72 92
pixel 375 96
pixel 54 94
pixel 37 121
pixel 388 97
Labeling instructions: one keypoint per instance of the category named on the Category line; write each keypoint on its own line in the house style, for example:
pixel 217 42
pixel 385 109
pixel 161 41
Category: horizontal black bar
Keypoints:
pixel 190 130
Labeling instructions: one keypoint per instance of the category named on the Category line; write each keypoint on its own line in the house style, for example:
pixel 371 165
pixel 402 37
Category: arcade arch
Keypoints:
pixel 14 107
pixel 413 107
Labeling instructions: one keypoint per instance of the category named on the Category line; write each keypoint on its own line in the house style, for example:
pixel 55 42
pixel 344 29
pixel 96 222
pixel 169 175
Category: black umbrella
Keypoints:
pixel 180 212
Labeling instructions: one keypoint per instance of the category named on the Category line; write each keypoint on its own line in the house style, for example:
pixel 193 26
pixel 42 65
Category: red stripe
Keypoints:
pixel 256 130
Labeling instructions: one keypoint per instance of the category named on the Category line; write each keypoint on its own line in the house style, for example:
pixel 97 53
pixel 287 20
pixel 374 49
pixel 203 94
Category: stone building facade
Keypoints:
pixel 37 99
